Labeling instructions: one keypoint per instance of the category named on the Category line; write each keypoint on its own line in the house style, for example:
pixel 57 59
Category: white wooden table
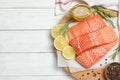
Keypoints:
pixel 26 49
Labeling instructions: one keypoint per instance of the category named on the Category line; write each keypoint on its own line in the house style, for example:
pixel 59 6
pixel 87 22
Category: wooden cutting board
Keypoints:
pixel 94 74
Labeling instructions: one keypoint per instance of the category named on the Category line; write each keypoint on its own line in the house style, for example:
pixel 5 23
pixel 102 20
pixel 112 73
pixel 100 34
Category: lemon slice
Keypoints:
pixel 68 52
pixel 60 43
pixel 80 11
pixel 55 30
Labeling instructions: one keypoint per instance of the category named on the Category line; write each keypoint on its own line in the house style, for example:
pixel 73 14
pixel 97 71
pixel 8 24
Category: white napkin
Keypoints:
pixel 62 6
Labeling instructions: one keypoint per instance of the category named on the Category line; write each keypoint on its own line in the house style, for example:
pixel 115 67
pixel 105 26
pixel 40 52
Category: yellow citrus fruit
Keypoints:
pixel 60 43
pixel 68 52
pixel 55 30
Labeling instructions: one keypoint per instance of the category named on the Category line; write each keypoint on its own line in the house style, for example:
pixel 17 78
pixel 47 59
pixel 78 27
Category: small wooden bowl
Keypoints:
pixel 112 71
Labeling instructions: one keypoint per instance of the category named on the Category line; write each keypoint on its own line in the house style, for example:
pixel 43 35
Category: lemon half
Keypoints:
pixel 68 52
pixel 55 30
pixel 60 43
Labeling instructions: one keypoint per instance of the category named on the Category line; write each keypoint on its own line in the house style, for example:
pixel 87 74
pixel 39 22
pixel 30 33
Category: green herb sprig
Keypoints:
pixel 64 29
pixel 116 52
pixel 105 14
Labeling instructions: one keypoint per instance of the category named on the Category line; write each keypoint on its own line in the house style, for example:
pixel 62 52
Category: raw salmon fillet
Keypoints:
pixel 88 25
pixel 90 40
pixel 91 56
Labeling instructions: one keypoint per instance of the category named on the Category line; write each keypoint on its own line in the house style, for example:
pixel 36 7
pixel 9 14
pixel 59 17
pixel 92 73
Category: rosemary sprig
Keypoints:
pixel 116 51
pixel 64 29
pixel 108 14
pixel 105 14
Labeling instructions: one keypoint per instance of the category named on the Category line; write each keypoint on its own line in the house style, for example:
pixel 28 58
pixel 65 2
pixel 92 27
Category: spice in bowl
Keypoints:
pixel 112 71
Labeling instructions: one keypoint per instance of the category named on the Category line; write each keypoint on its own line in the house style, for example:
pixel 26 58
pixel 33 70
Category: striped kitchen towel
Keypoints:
pixel 62 6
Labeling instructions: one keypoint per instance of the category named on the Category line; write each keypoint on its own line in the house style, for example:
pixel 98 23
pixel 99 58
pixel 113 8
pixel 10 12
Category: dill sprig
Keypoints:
pixel 105 14
pixel 64 29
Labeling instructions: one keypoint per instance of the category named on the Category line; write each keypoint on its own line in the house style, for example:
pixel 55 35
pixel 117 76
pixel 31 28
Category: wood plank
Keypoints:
pixel 29 64
pixel 26 3
pixel 27 19
pixel 65 77
pixel 26 41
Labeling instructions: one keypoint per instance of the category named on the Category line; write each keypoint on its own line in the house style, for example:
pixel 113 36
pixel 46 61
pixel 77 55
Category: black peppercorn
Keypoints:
pixel 113 71
pixel 88 73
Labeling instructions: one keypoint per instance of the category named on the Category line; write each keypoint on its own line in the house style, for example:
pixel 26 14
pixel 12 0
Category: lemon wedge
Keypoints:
pixel 55 30
pixel 68 52
pixel 60 42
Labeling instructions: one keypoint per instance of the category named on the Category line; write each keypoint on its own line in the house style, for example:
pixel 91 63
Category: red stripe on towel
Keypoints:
pixel 63 3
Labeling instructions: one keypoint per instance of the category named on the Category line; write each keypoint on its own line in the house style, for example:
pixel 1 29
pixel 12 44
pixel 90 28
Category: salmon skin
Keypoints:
pixel 92 39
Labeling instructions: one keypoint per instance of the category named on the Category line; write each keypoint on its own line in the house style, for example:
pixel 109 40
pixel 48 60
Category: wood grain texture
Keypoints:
pixel 38 77
pixel 95 74
pixel 27 19
pixel 26 41
pixel 26 64
pixel 26 49
pixel 26 3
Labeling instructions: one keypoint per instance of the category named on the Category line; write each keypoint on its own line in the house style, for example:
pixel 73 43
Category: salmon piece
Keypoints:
pixel 99 37
pixel 88 25
pixel 91 56
pixel 78 30
pixel 95 22
pixel 91 39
